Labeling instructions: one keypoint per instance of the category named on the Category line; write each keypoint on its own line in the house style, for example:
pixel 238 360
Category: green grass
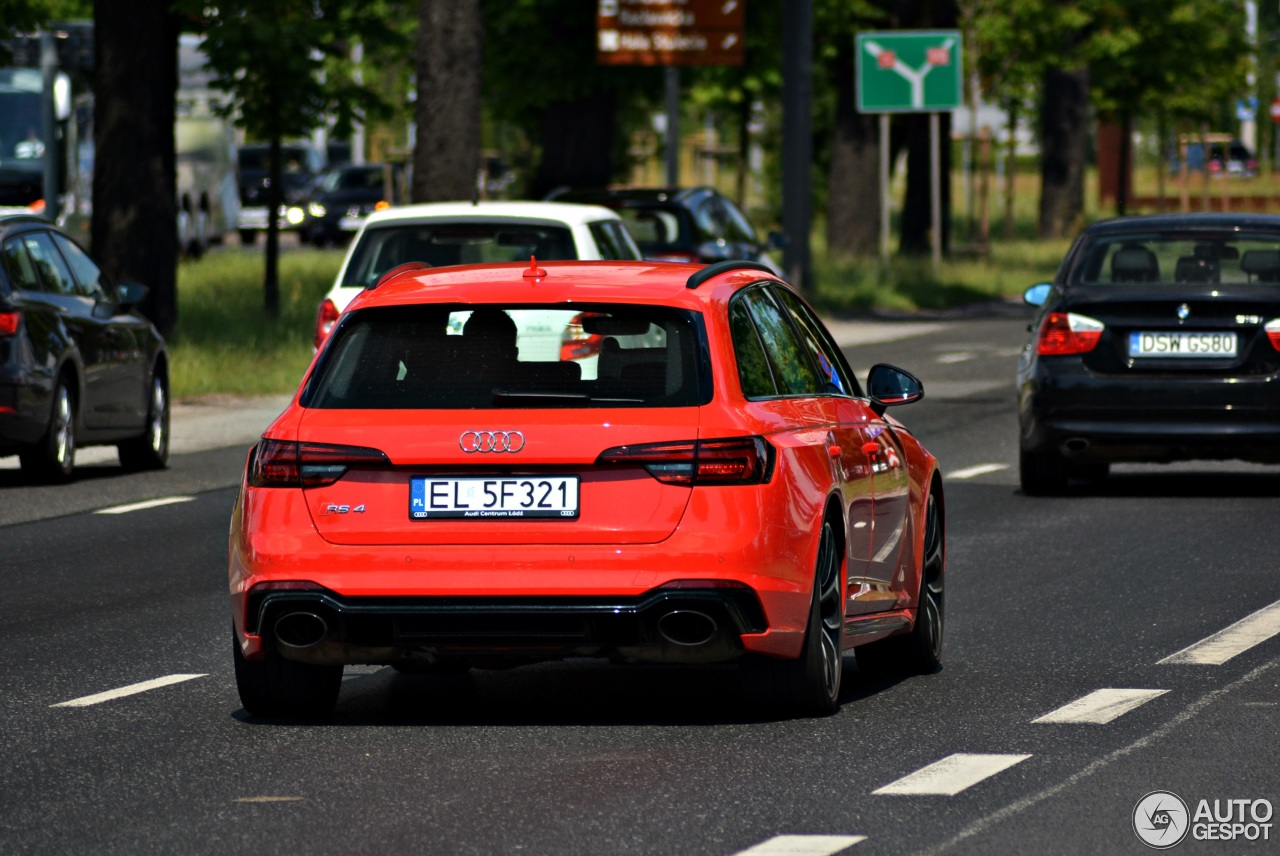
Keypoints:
pixel 224 341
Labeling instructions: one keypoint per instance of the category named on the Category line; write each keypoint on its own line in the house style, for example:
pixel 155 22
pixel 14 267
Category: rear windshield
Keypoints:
pixel 652 226
pixel 439 245
pixel 446 357
pixel 1181 257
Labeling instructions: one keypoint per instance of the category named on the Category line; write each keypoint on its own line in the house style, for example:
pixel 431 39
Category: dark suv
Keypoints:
pixel 300 164
pixel 78 365
pixel 342 197
pixel 695 224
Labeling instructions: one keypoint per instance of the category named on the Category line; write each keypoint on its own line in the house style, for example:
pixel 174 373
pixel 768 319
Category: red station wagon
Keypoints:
pixel 712 486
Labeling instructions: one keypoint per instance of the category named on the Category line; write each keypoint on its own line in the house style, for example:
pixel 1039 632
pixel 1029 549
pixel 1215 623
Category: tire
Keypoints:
pixel 1042 473
pixel 54 458
pixel 151 450
pixel 248 237
pixel 810 684
pixel 920 651
pixel 276 687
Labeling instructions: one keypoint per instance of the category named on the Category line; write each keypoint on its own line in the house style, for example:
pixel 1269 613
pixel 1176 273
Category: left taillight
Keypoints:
pixel 9 322
pixel 278 463
pixel 1066 333
pixel 326 316
pixel 734 461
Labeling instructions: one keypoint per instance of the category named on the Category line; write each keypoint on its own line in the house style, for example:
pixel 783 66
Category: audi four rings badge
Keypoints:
pixel 491 441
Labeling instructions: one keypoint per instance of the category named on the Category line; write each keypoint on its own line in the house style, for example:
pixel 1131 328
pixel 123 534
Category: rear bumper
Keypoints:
pixel 1069 410
pixel 674 625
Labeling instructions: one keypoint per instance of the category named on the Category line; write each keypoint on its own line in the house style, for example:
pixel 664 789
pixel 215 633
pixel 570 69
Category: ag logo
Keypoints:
pixel 1160 819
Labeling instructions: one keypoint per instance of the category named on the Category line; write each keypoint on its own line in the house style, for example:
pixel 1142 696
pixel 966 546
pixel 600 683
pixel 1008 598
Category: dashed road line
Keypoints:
pixel 141 506
pixel 132 689
pixel 1222 646
pixel 952 774
pixel 1100 706
pixel 802 845
pixel 947 359
pixel 974 472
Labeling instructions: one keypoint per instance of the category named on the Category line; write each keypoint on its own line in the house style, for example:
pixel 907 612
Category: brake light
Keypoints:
pixel 736 461
pixel 1272 329
pixel 277 463
pixel 9 323
pixel 1064 333
pixel 691 258
pixel 326 316
pixel 576 343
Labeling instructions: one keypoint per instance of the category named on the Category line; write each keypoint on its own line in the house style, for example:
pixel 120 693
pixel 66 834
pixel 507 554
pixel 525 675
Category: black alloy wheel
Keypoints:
pixel 150 451
pixel 920 651
pixel 276 687
pixel 810 684
pixel 1042 473
pixel 54 458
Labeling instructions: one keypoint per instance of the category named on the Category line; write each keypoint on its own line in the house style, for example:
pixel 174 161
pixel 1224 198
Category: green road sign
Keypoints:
pixel 909 71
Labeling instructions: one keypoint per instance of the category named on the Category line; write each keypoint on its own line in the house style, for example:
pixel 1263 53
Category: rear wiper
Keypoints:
pixel 533 398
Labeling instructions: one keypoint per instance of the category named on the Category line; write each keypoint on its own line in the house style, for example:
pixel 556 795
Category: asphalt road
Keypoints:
pixel 1049 602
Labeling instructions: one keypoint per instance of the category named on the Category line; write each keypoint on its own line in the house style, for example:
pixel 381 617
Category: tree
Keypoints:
pixel 134 209
pixel 286 67
pixel 449 62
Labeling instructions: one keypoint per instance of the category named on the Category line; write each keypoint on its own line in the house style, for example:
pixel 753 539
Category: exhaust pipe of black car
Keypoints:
pixel 1076 444
pixel 301 629
pixel 687 627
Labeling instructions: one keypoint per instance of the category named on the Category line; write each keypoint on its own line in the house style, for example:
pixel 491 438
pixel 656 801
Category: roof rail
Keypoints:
pixel 396 271
pixel 698 278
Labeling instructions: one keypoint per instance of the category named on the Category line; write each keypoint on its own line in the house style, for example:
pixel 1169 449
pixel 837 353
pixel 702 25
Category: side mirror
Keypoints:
pixel 131 294
pixel 889 386
pixel 1037 294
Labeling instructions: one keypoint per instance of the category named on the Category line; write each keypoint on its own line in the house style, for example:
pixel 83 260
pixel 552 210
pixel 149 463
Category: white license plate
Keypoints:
pixel 1182 344
pixel 494 498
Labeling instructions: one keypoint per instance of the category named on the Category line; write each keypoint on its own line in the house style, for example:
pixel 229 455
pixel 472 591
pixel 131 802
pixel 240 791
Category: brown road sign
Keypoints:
pixel 670 32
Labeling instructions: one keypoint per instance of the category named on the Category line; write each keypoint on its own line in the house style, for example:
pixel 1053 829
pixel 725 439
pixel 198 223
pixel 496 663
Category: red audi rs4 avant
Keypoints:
pixel 693 476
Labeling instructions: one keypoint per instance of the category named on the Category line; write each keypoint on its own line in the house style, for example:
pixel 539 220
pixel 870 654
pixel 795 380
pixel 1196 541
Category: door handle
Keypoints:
pixel 871 448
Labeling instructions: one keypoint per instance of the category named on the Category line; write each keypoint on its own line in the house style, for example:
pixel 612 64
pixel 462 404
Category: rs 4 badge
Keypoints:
pixel 332 508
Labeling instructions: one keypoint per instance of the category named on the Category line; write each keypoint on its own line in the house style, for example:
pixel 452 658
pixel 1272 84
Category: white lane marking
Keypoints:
pixel 952 774
pixel 1100 706
pixel 979 470
pixel 982 824
pixel 956 358
pixel 132 689
pixel 268 799
pixel 139 506
pixel 1240 637
pixel 802 845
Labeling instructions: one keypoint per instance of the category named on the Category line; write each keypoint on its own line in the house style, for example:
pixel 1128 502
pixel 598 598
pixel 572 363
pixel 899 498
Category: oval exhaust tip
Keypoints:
pixel 301 629
pixel 687 627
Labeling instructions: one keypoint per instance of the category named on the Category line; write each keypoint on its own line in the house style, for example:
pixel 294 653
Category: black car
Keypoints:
pixel 300 163
pixel 1158 341
pixel 695 224
pixel 342 197
pixel 78 365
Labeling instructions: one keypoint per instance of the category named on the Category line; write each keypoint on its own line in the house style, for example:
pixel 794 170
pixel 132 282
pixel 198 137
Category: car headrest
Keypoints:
pixel 1134 263
pixel 1264 264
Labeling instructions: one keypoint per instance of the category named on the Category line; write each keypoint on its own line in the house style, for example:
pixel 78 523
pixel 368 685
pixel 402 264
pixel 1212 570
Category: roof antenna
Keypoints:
pixel 534 272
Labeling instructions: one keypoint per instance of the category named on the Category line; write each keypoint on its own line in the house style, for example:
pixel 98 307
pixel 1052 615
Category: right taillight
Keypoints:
pixel 326 317
pixel 1272 329
pixel 279 463
pixel 9 323
pixel 735 461
pixel 1065 333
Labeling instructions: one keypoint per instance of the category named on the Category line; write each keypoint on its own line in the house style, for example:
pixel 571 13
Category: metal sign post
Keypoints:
pixel 910 71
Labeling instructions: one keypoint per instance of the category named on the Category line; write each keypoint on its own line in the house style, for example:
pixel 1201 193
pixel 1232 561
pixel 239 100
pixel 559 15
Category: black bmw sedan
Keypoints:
pixel 78 364
pixel 1159 340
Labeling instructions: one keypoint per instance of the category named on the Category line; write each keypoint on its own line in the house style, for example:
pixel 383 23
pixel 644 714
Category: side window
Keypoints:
pixel 611 239
pixel 788 357
pixel 824 352
pixel 709 219
pixel 19 266
pixel 53 270
pixel 88 275
pixel 753 365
